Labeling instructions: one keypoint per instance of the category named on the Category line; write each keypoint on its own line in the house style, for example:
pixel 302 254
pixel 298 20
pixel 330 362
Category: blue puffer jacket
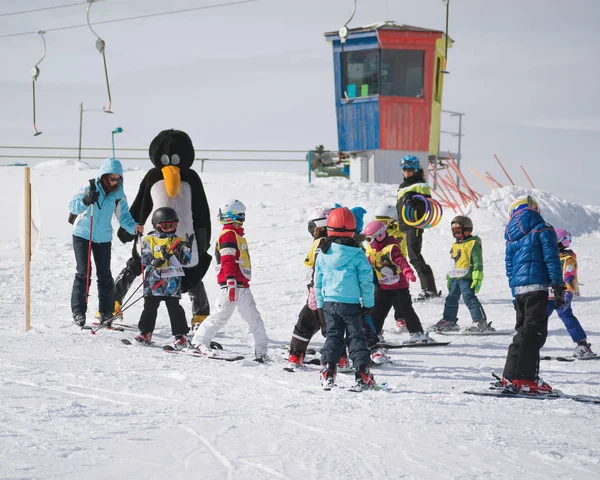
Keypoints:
pixel 531 252
pixel 343 274
pixel 115 202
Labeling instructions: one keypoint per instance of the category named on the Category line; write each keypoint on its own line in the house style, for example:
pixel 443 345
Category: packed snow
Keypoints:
pixel 75 405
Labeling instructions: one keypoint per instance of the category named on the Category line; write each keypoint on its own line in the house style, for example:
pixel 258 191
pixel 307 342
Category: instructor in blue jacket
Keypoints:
pixel 91 214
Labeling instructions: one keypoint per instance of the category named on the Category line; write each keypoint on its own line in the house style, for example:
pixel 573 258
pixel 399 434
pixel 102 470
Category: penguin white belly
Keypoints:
pixel 182 204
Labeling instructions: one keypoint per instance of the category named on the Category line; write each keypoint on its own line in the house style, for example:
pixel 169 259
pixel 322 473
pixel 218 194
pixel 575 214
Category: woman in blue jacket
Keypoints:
pixel 94 207
pixel 532 265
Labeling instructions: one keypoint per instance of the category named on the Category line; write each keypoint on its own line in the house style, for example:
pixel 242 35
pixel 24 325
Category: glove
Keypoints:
pixel 477 281
pixel 410 276
pixel 90 197
pixel 559 295
pixel 189 240
pixel 157 262
pixel 232 289
pixel 124 235
pixel 321 316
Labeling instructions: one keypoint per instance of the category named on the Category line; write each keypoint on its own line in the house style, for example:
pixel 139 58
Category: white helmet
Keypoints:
pixel 318 218
pixel 232 211
pixel 387 211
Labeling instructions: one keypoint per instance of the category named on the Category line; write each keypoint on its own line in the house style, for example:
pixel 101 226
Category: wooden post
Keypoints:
pixel 530 182
pixel 503 169
pixel 27 248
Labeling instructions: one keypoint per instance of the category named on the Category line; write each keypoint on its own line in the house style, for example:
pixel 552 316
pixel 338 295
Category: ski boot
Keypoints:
pixel 480 326
pixel 427 295
pixel 197 320
pixel 328 374
pixel 444 326
pixel 364 378
pixel 106 319
pixel 344 360
pixel 418 337
pixel 378 357
pixel 179 342
pixel 583 350
pixel 295 359
pixel 400 326
pixel 79 319
pixel 532 387
pixel 260 355
pixel 144 338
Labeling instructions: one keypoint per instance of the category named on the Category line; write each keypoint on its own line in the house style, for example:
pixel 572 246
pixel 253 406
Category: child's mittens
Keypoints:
pixel 232 289
pixel 410 275
pixel 157 262
pixel 477 281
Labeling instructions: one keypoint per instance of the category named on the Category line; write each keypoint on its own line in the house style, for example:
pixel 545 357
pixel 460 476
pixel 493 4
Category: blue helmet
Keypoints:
pixel 410 162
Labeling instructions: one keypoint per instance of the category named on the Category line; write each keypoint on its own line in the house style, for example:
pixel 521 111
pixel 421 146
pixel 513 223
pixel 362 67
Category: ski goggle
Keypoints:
pixel 168 226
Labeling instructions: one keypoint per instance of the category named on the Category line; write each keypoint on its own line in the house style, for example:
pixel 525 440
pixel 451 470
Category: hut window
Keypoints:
pixel 402 73
pixel 361 71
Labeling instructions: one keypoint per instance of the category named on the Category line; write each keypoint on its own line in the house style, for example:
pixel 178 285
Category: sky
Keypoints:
pixel 78 406
pixel 260 76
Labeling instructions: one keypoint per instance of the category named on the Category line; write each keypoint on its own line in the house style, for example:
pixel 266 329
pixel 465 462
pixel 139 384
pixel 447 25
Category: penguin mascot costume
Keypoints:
pixel 172 183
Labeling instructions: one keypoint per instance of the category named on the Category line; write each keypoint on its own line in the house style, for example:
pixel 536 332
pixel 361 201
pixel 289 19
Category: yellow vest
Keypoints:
pixel 172 267
pixel 399 235
pixel 461 254
pixel 386 271
pixel 244 259
pixel 568 262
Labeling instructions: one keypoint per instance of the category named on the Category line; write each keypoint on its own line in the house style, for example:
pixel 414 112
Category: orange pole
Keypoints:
pixel 452 197
pixel 434 175
pixel 489 175
pixel 503 169
pixel 532 186
pixel 482 177
pixel 462 177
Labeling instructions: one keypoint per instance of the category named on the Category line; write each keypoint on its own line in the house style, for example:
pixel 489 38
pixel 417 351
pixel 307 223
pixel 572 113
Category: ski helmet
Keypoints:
pixel 386 214
pixel 318 219
pixel 525 201
pixel 341 223
pixel 375 230
pixel 165 219
pixel 564 237
pixel 410 162
pixel 466 225
pixel 232 211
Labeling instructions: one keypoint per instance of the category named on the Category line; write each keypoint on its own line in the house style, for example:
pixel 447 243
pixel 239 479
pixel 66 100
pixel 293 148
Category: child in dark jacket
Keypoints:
pixel 532 265
pixel 163 254
pixel 464 279
pixel 343 277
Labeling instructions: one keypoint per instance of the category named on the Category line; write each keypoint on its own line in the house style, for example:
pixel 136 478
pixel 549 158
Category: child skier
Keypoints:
pixel 532 265
pixel 393 274
pixel 342 278
pixel 233 274
pixel 309 320
pixel 568 260
pixel 464 278
pixel 388 215
pixel 163 253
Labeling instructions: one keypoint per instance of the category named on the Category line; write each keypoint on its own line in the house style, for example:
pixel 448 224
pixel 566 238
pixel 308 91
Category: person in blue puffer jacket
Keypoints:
pixel 343 278
pixel 532 265
pixel 93 208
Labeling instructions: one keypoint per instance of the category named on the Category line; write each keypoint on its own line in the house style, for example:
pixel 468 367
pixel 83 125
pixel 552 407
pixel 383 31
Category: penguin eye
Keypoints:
pixel 164 159
pixel 175 159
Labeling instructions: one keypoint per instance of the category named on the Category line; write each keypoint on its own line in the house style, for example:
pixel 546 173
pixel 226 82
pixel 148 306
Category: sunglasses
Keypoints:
pixel 114 178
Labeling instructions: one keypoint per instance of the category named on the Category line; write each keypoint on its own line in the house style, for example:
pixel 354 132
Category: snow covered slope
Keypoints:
pixel 79 406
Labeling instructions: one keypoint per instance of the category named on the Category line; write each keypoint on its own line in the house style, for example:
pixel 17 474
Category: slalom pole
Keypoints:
pixel 530 182
pixel 504 170
pixel 489 175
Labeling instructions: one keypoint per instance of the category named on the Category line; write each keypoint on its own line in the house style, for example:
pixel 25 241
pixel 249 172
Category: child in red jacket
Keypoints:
pixel 393 273
pixel 233 275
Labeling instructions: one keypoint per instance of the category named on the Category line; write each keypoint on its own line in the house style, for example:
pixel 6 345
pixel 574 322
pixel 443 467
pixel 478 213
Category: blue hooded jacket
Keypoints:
pixel 532 257
pixel 343 274
pixel 115 202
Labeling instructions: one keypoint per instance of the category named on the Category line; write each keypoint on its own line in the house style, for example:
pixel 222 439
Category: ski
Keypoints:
pixel 387 345
pixel 378 387
pixel 476 333
pixel 555 395
pixel 569 359
pixel 192 352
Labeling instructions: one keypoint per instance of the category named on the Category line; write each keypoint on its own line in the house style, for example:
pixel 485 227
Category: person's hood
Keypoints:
pixel 341 254
pixel 111 166
pixel 523 222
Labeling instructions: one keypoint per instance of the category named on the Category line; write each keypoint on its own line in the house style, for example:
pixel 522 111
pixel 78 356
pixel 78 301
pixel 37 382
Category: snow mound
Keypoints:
pixel 493 211
pixel 62 163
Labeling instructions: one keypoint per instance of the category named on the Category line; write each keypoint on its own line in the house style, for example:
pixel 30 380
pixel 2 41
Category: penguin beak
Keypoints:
pixel 172 179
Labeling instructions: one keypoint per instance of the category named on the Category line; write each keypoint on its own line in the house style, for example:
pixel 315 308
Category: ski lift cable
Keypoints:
pixel 124 19
pixel 45 8
pixel 35 72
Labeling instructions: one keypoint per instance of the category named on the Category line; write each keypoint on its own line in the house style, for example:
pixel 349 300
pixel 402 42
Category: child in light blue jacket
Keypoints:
pixel 343 277
pixel 92 210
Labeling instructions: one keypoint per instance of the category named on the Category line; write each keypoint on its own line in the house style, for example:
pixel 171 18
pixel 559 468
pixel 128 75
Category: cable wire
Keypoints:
pixel 172 12
pixel 46 8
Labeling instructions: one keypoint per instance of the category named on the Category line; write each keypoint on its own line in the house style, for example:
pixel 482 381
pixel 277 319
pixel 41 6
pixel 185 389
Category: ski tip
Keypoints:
pixel 124 341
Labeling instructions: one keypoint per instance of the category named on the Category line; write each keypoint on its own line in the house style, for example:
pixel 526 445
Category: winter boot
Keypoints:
pixel 144 338
pixel 583 350
pixel 79 319
pixel 197 320
pixel 444 326
pixel 400 326
pixel 364 377
pixel 378 357
pixel 296 358
pixel 531 387
pixel 328 374
pixel 179 342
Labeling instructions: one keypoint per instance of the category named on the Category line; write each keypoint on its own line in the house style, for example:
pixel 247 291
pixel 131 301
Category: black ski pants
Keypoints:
pixel 523 358
pixel 414 243
pixel 307 326
pixel 101 253
pixel 147 321
pixel 385 299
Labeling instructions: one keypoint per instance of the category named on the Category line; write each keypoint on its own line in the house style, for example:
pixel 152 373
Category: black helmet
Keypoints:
pixel 165 215
pixel 464 222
